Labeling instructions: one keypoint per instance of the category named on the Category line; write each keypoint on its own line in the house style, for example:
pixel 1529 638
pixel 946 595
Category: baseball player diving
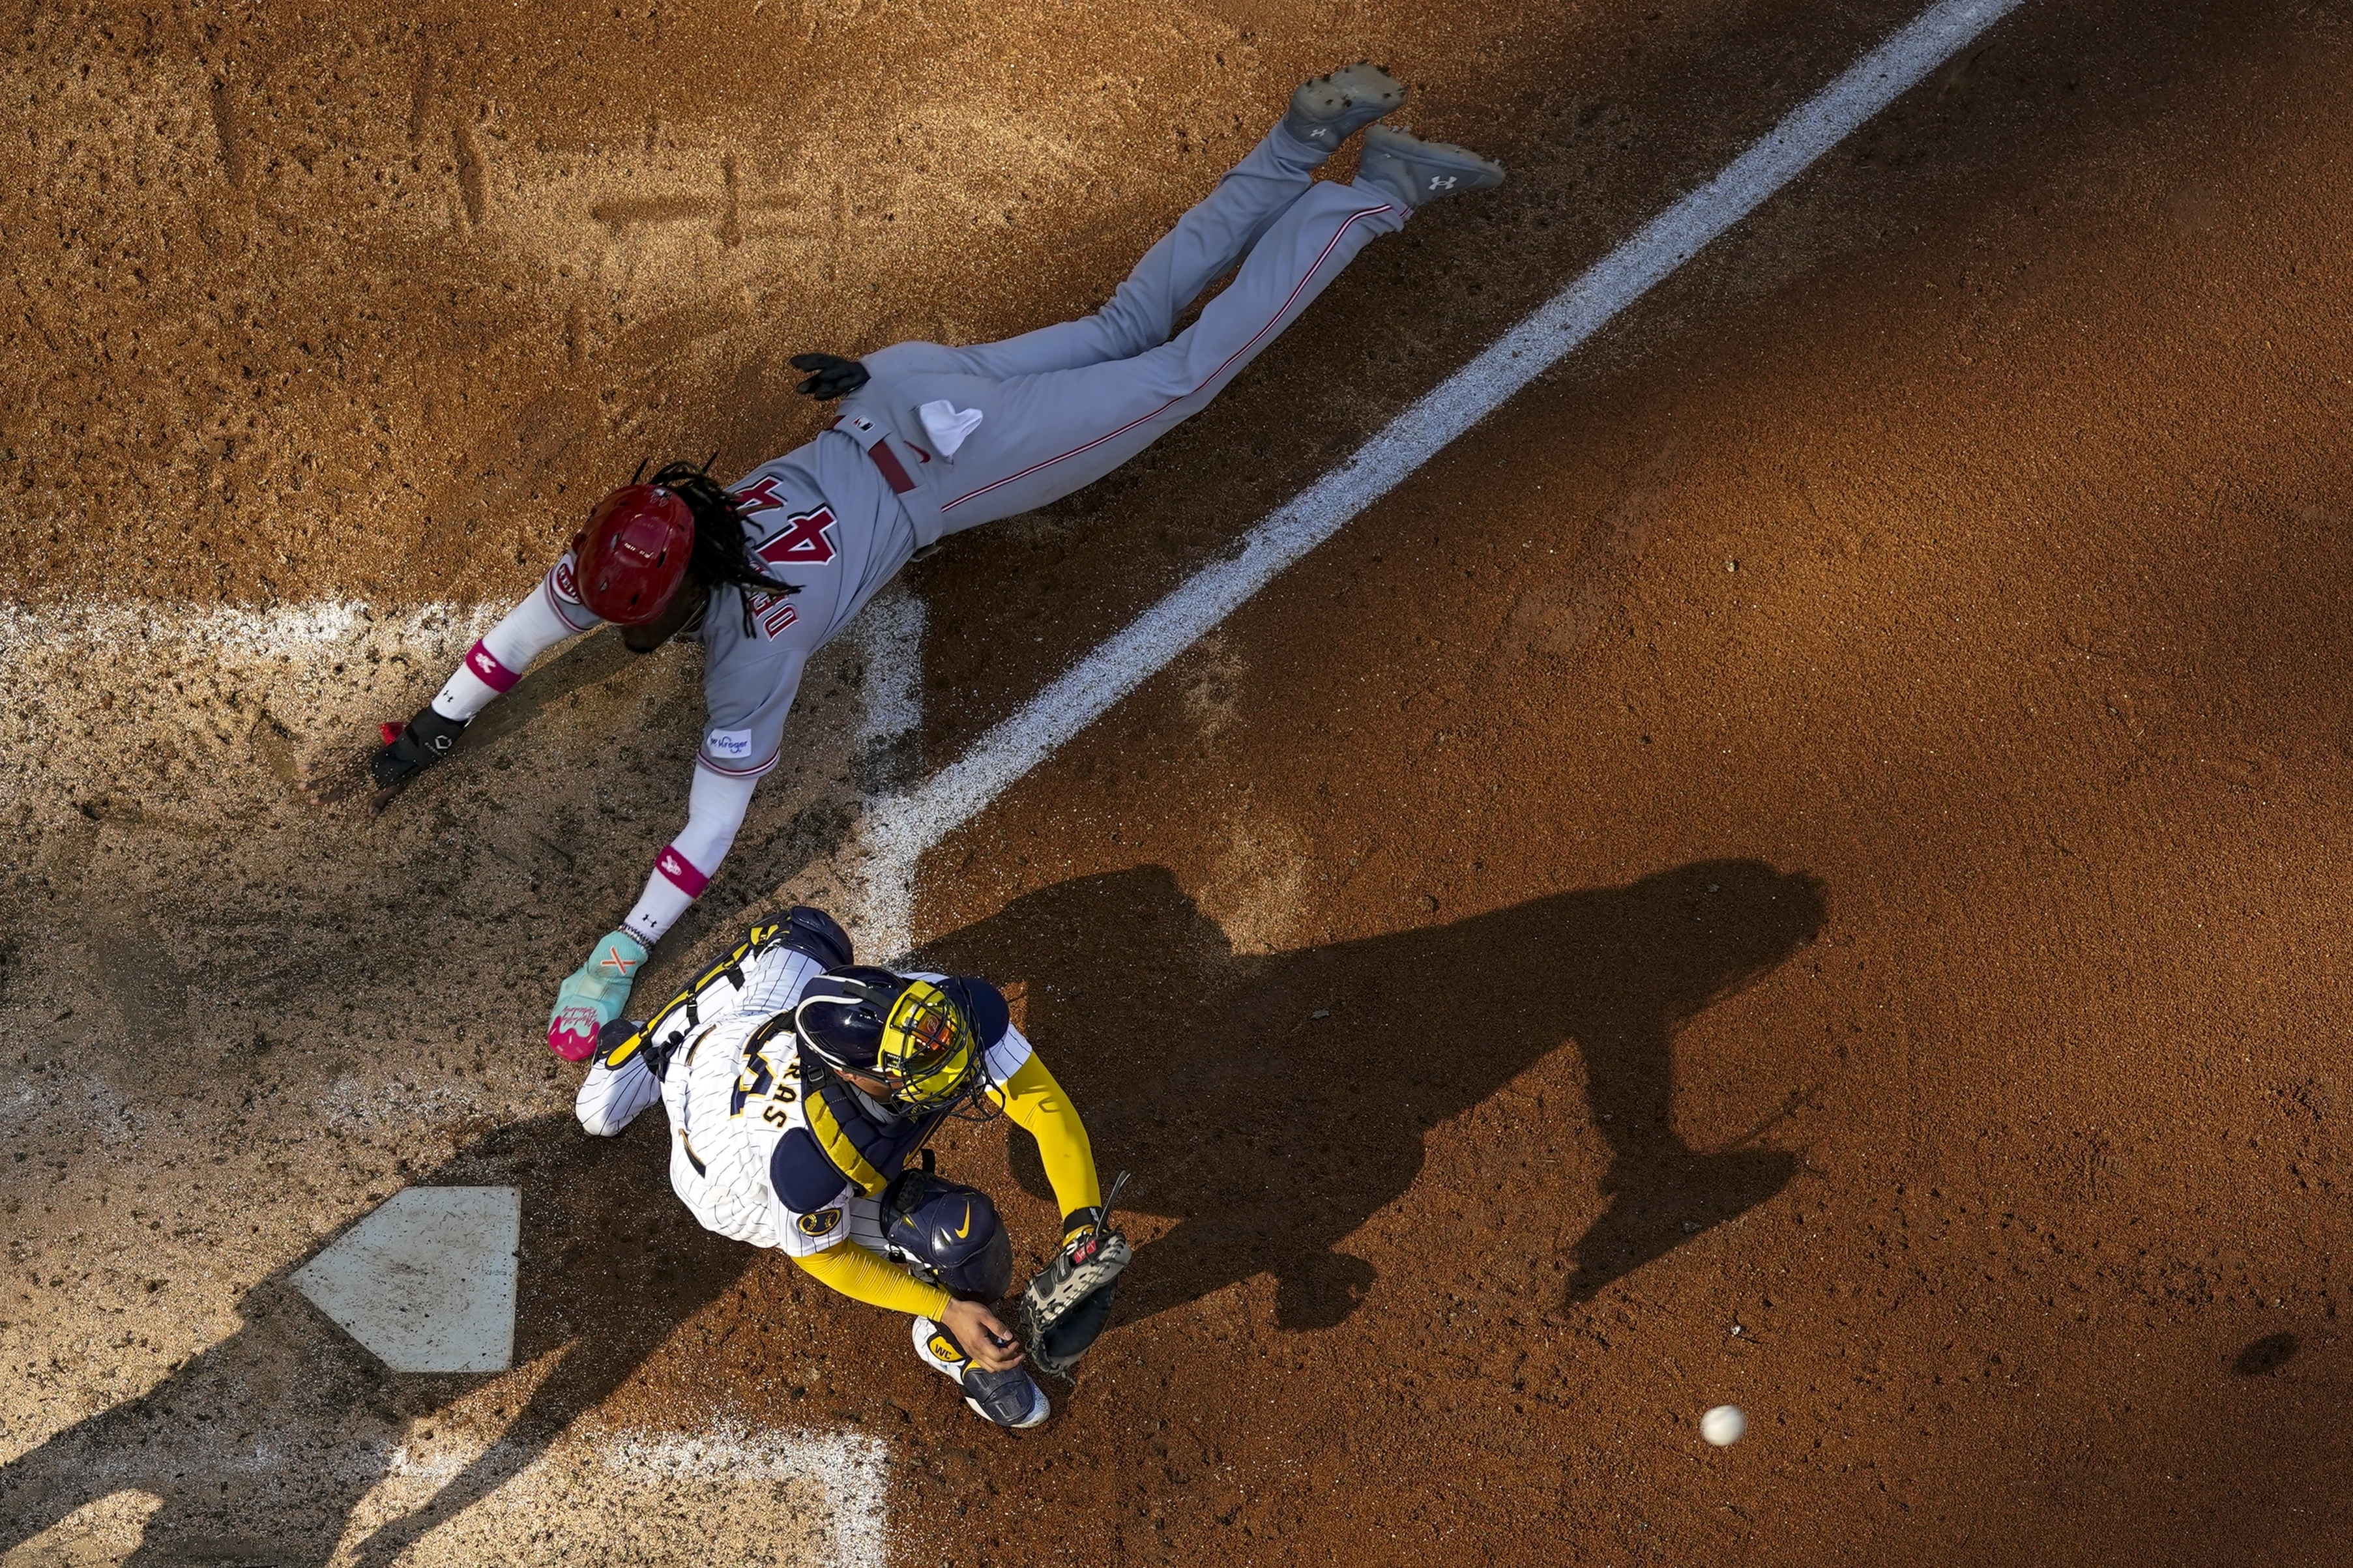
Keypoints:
pixel 931 441
pixel 802 1087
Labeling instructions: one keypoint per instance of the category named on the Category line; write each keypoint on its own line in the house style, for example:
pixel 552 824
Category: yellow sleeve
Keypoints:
pixel 864 1276
pixel 1039 1107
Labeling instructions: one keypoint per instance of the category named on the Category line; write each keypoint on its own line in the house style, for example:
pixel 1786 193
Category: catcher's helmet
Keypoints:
pixel 911 1034
pixel 632 556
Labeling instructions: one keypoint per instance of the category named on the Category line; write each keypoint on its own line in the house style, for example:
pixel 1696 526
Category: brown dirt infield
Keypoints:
pixel 1799 865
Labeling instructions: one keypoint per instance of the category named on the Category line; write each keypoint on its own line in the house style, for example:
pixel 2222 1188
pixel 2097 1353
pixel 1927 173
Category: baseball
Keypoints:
pixel 1723 1426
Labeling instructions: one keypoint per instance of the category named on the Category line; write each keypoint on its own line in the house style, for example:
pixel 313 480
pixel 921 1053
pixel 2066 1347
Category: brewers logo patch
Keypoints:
pixel 821 1223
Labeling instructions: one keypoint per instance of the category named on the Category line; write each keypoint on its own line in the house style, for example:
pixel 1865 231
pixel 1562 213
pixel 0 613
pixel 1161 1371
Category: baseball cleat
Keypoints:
pixel 1331 108
pixel 1009 1398
pixel 1417 172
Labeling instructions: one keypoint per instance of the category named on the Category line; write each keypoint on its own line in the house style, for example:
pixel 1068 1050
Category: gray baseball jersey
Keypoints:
pixel 822 517
pixel 943 438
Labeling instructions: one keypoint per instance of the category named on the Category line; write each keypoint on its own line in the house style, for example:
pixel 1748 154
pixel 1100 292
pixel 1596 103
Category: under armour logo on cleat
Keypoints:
pixel 613 961
pixel 1441 181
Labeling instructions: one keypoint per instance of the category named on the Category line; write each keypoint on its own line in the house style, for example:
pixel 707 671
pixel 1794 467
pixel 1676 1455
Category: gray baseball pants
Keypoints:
pixel 1066 404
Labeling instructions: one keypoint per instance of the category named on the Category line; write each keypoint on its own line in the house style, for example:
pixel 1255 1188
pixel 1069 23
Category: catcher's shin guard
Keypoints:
pixel 1008 1398
pixel 810 932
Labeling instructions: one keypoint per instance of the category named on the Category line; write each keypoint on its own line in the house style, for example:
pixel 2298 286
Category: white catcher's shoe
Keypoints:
pixel 1009 1398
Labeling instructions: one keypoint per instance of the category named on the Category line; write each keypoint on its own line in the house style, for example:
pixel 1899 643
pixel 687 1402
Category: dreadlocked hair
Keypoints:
pixel 723 548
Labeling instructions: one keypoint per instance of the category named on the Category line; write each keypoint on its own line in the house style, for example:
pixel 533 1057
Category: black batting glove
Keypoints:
pixel 426 740
pixel 835 377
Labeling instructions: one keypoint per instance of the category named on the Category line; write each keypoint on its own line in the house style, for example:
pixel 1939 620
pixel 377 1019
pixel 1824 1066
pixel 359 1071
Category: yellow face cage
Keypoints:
pixel 927 1052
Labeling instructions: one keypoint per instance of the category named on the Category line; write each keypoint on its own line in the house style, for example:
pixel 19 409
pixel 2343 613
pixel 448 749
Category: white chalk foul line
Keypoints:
pixel 850 1468
pixel 904 826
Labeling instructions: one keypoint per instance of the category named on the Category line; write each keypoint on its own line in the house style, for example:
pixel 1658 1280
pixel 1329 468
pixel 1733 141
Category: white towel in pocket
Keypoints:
pixel 947 424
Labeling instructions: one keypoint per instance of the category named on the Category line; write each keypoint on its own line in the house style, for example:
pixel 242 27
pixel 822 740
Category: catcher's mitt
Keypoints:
pixel 1068 1303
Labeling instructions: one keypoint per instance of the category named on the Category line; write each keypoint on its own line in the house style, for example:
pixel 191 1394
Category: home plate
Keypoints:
pixel 427 1283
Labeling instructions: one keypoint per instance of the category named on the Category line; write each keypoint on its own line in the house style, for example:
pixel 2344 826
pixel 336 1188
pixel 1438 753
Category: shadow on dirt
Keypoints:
pixel 261 1446
pixel 1272 1132
pixel 2266 1355
pixel 594 659
pixel 1277 1103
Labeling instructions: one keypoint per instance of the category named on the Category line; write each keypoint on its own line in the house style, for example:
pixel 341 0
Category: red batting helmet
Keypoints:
pixel 632 555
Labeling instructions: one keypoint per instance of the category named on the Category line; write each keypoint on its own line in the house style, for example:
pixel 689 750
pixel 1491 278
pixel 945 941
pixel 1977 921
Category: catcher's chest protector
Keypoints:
pixel 863 1151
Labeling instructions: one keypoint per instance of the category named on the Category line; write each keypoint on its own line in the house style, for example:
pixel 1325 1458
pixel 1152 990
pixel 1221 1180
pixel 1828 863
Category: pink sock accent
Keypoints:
pixel 485 665
pixel 682 872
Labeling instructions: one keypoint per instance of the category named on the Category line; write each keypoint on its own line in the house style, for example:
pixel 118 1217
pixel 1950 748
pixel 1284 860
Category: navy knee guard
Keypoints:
pixel 951 1233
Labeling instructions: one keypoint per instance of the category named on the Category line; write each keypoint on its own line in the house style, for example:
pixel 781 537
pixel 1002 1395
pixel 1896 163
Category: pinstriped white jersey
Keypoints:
pixel 728 1105
pixel 720 1140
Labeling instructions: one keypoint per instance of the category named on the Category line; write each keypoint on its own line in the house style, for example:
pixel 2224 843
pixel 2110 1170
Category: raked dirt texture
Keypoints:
pixel 1799 864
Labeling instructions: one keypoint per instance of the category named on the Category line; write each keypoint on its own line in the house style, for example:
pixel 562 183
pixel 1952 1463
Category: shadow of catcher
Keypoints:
pixel 1273 1135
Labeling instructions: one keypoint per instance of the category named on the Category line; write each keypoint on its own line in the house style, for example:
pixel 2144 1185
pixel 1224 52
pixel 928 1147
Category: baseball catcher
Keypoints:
pixel 802 1088
pixel 931 440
